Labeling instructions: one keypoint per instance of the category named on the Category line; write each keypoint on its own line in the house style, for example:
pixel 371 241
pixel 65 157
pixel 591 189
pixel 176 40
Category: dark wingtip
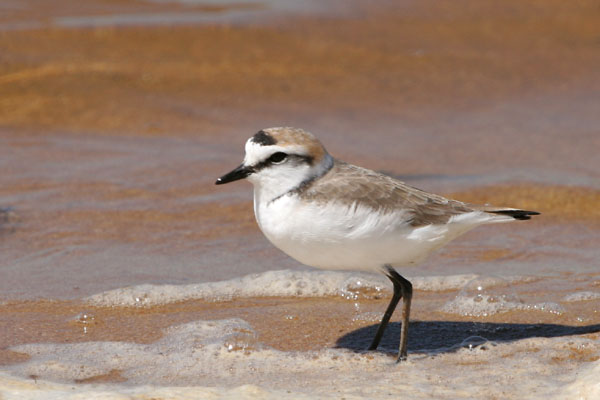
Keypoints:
pixel 521 215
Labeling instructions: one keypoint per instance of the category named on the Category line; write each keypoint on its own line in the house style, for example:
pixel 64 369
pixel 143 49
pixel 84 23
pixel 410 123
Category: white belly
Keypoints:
pixel 352 238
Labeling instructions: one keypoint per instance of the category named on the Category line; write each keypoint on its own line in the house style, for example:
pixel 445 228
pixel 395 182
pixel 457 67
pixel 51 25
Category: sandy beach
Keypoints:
pixel 116 117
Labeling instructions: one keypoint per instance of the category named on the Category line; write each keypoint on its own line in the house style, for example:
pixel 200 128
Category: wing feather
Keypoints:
pixel 355 186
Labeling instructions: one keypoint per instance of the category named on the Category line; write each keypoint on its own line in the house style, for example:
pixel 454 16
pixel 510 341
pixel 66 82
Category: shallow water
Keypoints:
pixel 31 14
pixel 95 213
pixel 126 273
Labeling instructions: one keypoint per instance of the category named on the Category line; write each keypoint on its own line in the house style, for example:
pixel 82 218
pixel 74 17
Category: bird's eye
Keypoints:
pixel 277 158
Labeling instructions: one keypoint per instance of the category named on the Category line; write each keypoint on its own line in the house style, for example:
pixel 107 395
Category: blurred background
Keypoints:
pixel 116 117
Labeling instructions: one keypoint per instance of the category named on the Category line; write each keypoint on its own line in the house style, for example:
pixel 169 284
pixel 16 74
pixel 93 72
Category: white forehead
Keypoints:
pixel 256 153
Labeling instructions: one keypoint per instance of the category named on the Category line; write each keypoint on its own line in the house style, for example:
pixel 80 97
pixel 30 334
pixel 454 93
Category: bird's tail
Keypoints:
pixel 509 212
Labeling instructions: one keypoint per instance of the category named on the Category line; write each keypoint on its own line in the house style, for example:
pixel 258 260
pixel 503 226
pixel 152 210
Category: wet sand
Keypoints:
pixel 116 134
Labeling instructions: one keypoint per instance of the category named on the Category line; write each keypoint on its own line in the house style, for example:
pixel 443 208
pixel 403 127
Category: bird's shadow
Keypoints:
pixel 447 336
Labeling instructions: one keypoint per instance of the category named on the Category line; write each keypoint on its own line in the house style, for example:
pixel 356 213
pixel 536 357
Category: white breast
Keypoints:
pixel 335 236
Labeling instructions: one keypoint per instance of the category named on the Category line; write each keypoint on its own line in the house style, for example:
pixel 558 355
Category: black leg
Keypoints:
pixel 388 313
pixel 407 295
pixel 402 289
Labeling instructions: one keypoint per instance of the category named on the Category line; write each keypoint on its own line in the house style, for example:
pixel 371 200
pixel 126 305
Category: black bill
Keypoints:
pixel 240 172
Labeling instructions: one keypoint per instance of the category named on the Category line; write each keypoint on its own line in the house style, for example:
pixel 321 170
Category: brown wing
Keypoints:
pixel 354 186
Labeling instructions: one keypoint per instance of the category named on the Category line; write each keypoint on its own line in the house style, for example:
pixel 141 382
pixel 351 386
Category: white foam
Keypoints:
pixel 275 283
pixel 586 385
pixel 209 351
pixel 222 359
pixel 484 305
pixel 487 295
pixel 12 387
pixel 582 296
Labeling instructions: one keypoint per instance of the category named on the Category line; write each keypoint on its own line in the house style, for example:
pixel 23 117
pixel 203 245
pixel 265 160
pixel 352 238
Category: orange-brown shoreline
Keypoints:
pixel 208 79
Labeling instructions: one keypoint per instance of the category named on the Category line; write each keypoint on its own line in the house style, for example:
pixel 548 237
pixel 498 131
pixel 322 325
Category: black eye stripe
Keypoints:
pixel 268 162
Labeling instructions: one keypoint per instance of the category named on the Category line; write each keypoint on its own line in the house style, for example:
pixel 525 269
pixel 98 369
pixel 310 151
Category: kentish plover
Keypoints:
pixel 328 214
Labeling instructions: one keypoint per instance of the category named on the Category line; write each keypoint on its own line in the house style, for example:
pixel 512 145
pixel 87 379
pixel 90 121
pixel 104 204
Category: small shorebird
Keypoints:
pixel 332 215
